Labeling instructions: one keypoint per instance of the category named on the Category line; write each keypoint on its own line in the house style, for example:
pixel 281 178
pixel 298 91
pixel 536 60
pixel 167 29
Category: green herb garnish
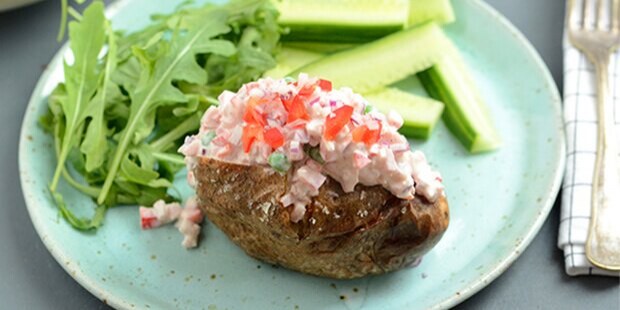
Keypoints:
pixel 315 153
pixel 279 162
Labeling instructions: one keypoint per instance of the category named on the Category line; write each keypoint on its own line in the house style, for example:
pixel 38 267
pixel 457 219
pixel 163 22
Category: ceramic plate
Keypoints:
pixel 6 5
pixel 498 201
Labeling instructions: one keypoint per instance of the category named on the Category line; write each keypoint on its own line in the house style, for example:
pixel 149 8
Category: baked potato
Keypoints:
pixel 342 235
pixel 307 177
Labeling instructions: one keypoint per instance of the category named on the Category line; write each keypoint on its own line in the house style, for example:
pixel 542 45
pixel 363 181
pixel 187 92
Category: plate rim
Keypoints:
pixel 74 271
pixel 556 102
pixel 91 285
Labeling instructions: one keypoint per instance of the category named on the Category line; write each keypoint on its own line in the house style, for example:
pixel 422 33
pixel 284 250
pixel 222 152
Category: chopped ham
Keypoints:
pixel 360 159
pixel 189 223
pixel 188 218
pixel 160 214
pixel 394 119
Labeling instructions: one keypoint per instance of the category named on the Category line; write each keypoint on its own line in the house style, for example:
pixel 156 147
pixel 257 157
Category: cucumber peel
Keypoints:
pixel 420 114
pixel 373 65
pixel 289 59
pixel 319 47
pixel 341 20
pixel 422 11
pixel 356 21
pixel 466 114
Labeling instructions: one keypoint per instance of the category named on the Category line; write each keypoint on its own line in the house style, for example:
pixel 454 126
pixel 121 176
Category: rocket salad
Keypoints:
pixel 118 120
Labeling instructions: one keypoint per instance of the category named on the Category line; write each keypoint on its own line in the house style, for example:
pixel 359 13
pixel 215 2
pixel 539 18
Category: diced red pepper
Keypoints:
pixel 358 133
pixel 333 125
pixel 325 85
pixel 274 138
pixel 251 116
pixel 366 135
pixel 306 90
pixel 373 135
pixel 148 222
pixel 148 219
pixel 296 110
pixel 251 132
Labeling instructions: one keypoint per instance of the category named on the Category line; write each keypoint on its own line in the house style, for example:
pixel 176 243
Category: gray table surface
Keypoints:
pixel 31 278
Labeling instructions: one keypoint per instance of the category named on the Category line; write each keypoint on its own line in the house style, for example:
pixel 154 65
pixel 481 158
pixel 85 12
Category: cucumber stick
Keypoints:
pixel 465 113
pixel 356 21
pixel 422 11
pixel 420 114
pixel 373 65
pixel 341 20
pixel 319 47
pixel 289 59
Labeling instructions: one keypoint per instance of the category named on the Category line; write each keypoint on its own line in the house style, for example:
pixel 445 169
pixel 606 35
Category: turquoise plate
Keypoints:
pixel 498 201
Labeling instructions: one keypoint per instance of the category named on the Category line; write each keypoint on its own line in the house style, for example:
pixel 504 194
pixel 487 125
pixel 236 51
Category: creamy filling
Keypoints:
pixel 307 127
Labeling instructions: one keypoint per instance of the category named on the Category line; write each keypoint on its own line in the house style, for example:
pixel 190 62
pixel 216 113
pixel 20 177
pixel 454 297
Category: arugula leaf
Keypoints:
pixel 95 141
pixel 118 120
pixel 88 37
pixel 80 223
pixel 155 88
pixel 64 4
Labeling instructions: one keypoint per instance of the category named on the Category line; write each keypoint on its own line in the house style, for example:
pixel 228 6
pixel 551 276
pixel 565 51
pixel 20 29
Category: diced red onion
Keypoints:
pixel 314 101
pixel 225 96
pixel 298 212
pixel 259 109
pixel 399 147
pixel 356 118
pixel 394 119
pixel 301 136
pixel 287 200
pixel 256 92
pixel 295 148
pixel 296 123
pixel 311 176
pixel 273 123
pixel 224 151
pixel 235 136
pixel 360 160
pixel 373 125
pixel 219 141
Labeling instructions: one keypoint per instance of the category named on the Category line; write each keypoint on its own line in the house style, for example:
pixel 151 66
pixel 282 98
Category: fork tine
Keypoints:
pixel 601 12
pixel 615 15
pixel 587 14
pixel 572 16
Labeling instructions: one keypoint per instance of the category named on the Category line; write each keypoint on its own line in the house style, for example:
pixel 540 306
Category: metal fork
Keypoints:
pixel 591 35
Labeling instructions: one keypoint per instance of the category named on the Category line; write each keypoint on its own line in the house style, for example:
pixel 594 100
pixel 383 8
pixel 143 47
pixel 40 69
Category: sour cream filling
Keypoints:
pixel 311 131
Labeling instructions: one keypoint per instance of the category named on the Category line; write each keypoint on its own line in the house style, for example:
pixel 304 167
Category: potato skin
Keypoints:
pixel 342 235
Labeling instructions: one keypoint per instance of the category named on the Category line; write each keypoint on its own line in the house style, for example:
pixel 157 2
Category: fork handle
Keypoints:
pixel 603 243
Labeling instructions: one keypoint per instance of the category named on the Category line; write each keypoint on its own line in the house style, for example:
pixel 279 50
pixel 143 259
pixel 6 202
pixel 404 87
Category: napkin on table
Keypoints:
pixel 580 123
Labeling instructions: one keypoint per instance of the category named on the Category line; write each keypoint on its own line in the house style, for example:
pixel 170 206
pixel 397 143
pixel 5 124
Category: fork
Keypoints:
pixel 591 35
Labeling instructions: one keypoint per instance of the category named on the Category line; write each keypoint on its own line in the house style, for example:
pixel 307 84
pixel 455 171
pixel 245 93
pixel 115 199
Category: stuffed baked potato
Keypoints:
pixel 305 213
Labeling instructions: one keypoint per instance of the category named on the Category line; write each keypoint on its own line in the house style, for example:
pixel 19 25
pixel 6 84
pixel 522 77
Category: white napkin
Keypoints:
pixel 580 122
